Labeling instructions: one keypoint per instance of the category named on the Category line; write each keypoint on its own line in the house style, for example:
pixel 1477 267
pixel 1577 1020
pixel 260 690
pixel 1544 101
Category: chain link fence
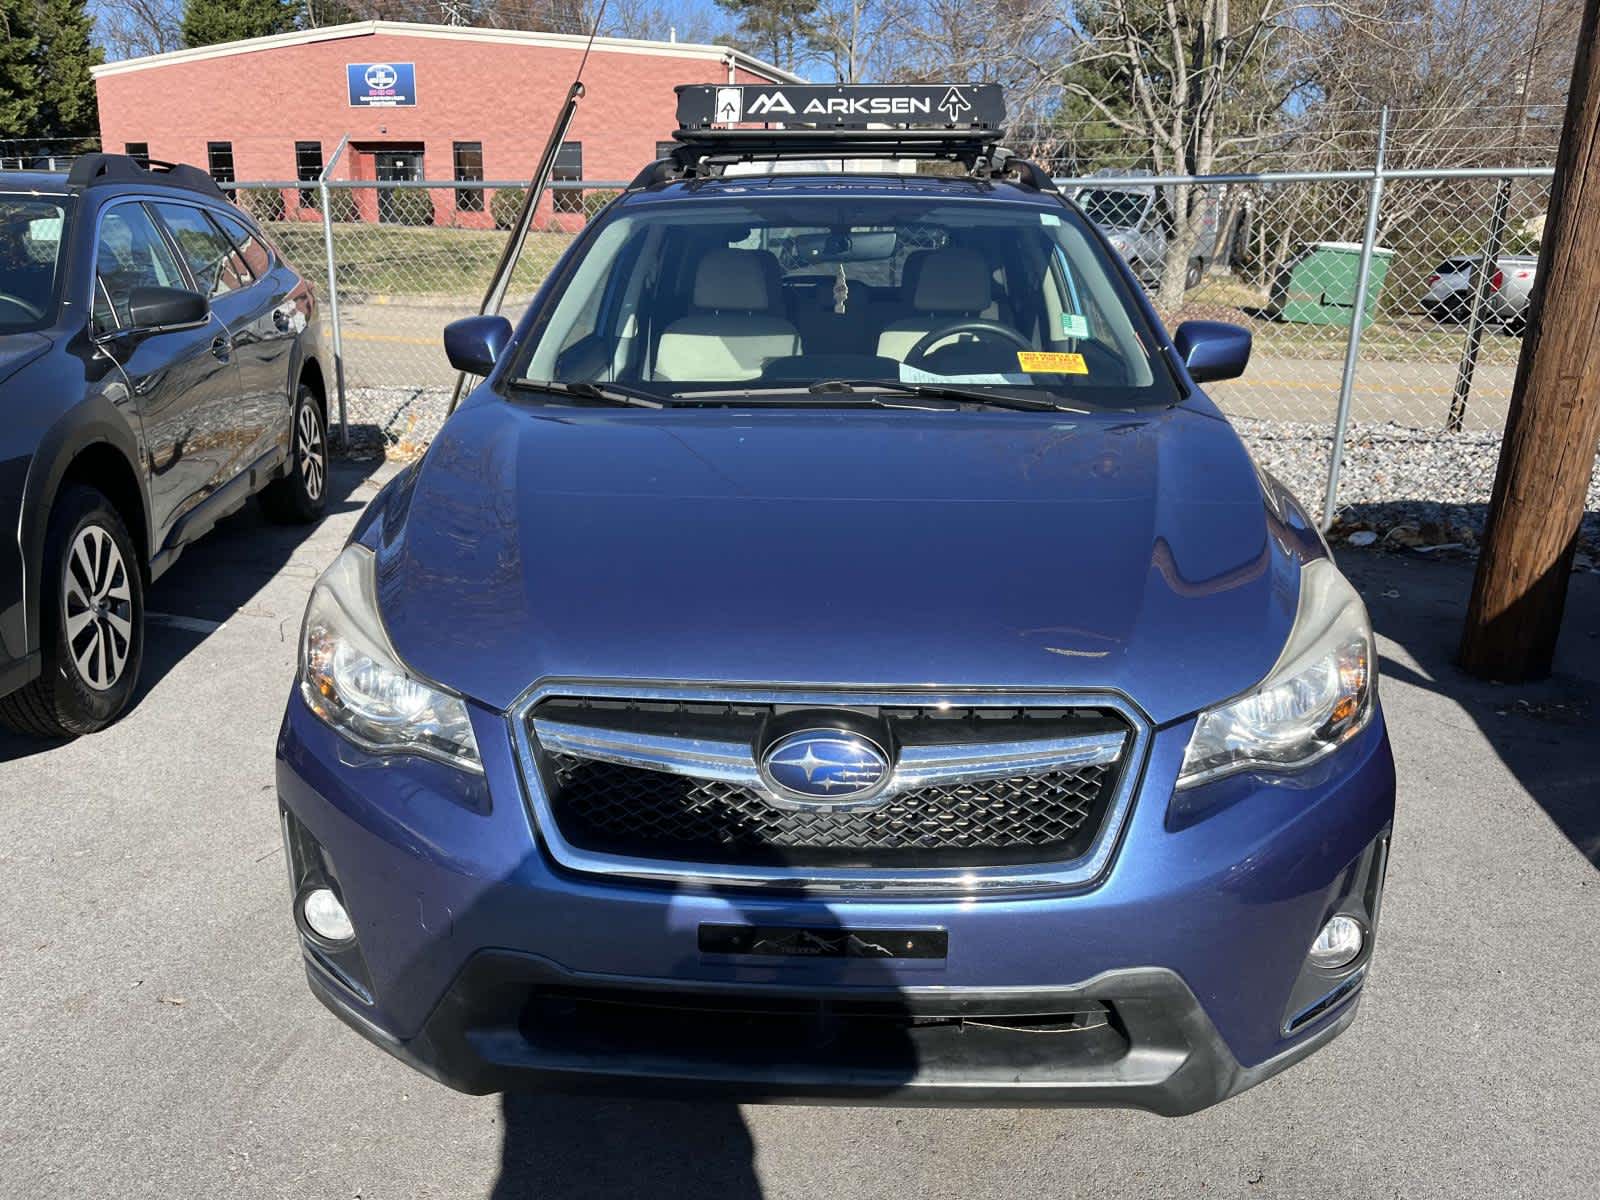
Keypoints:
pixel 1451 265
pixel 408 258
pixel 1421 387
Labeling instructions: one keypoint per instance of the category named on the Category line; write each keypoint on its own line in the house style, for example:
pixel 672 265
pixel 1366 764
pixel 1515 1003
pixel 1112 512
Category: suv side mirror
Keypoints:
pixel 160 309
pixel 475 344
pixel 1212 349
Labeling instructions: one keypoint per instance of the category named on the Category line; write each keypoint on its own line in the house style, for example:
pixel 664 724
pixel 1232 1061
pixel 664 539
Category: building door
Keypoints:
pixel 402 206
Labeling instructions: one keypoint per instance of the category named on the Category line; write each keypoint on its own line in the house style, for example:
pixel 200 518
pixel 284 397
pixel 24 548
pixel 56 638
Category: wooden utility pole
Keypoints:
pixel 1548 453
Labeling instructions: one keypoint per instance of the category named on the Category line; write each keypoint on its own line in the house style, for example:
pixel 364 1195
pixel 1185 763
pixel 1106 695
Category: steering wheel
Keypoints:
pixel 34 314
pixel 974 325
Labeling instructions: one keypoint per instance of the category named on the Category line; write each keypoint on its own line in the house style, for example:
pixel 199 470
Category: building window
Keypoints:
pixel 469 167
pixel 138 151
pixel 568 168
pixel 219 156
pixel 308 169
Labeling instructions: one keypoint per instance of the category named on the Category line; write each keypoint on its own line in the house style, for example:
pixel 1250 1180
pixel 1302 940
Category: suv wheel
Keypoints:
pixel 1195 273
pixel 92 621
pixel 302 494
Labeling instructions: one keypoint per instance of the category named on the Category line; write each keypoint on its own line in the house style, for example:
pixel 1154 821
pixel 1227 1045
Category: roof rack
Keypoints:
pixel 723 124
pixel 94 170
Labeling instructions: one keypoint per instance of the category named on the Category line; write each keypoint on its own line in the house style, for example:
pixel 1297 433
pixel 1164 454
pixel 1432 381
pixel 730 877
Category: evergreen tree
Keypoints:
pixel 19 75
pixel 776 30
pixel 207 22
pixel 63 57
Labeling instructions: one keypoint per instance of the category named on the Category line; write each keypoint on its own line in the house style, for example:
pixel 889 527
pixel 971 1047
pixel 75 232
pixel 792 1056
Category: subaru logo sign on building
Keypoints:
pixel 381 85
pixel 825 767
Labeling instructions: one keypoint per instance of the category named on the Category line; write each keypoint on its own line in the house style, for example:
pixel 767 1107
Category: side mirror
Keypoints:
pixel 475 344
pixel 1212 349
pixel 161 309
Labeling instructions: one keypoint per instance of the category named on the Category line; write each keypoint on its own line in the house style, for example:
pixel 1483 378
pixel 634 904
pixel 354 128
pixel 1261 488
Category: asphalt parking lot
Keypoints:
pixel 158 1038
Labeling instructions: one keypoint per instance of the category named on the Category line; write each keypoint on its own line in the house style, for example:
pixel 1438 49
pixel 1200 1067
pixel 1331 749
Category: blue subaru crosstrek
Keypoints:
pixel 839 651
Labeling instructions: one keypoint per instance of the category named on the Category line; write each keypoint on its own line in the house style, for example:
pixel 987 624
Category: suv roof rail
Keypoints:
pixel 722 124
pixel 93 170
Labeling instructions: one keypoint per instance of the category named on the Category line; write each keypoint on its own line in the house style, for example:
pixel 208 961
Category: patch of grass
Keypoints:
pixel 402 260
pixel 1393 337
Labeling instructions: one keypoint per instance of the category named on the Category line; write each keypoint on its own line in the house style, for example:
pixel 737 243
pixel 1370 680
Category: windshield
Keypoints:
pixel 30 257
pixel 1113 209
pixel 691 299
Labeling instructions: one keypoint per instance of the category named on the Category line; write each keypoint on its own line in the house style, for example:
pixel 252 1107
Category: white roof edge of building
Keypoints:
pixel 564 41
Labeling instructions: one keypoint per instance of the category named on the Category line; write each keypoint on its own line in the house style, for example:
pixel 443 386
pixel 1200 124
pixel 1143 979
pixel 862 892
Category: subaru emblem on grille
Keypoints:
pixel 825 767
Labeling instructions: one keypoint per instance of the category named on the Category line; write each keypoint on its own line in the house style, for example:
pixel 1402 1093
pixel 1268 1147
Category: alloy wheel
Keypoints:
pixel 313 456
pixel 98 608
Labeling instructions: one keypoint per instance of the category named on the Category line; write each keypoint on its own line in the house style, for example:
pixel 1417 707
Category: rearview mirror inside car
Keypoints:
pixel 475 344
pixel 158 309
pixel 1212 350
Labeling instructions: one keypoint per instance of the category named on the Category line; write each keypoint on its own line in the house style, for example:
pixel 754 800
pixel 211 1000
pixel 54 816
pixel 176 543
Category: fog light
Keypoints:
pixel 1338 945
pixel 326 917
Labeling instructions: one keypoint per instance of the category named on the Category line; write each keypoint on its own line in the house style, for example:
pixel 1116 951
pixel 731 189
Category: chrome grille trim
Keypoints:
pixel 730 762
pixel 712 756
pixel 917 766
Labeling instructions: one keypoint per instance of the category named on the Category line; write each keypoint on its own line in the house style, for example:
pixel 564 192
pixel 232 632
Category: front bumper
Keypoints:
pixel 1177 980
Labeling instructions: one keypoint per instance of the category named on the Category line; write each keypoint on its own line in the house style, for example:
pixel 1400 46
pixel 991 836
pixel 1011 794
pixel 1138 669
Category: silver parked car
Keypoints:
pixel 1448 294
pixel 1132 217
pixel 1510 288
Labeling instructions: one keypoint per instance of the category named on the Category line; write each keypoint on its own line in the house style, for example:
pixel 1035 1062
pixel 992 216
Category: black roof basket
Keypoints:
pixel 93 170
pixel 722 124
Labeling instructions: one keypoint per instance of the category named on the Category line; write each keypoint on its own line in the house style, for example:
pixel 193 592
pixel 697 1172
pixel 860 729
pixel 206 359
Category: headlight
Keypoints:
pixel 351 676
pixel 1320 693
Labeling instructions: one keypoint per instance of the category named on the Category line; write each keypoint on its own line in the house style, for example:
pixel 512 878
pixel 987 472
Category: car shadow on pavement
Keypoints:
pixel 576 1147
pixel 1544 732
pixel 215 579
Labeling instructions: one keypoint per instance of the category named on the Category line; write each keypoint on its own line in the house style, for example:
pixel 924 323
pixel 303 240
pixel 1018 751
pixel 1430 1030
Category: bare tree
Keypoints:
pixel 855 40
pixel 1186 81
pixel 1018 44
pixel 133 28
pixel 1480 83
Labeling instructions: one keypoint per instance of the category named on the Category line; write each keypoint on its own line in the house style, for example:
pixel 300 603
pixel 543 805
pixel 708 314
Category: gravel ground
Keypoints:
pixel 1410 487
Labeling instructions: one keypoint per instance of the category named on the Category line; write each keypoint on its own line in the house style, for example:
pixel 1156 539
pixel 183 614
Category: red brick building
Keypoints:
pixel 417 102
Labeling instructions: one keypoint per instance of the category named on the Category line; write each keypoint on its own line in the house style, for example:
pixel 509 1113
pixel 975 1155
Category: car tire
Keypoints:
pixel 91 623
pixel 1195 273
pixel 301 496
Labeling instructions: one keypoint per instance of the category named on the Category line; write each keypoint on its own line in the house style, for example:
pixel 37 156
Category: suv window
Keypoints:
pixel 792 290
pixel 130 253
pixel 216 266
pixel 257 258
pixel 30 247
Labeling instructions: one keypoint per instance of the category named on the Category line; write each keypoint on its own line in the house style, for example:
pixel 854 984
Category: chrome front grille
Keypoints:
pixel 992 792
pixel 633 810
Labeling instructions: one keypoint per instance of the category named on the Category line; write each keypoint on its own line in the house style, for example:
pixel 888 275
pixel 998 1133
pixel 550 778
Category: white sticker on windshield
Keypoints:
pixel 918 375
pixel 1074 325
pixel 1049 219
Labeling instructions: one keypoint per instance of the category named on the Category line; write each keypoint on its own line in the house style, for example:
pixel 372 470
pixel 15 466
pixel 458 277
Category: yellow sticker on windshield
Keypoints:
pixel 1049 363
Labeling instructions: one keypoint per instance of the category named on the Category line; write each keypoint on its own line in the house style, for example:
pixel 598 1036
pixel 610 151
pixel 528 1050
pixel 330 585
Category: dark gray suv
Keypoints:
pixel 159 364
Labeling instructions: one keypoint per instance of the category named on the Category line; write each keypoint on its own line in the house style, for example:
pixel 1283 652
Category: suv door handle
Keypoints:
pixel 221 347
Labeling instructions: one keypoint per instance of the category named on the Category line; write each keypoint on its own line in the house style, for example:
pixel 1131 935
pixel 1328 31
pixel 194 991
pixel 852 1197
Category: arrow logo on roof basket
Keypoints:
pixel 954 103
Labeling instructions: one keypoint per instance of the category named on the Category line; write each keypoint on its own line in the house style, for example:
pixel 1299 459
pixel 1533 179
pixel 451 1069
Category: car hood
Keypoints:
pixel 17 350
pixel 838 547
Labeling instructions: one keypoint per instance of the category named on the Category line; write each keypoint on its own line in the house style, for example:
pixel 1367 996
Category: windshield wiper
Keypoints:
pixel 943 392
pixel 585 390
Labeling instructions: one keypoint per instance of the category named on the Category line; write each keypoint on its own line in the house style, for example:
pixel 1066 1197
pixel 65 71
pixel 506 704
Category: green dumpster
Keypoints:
pixel 1318 285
